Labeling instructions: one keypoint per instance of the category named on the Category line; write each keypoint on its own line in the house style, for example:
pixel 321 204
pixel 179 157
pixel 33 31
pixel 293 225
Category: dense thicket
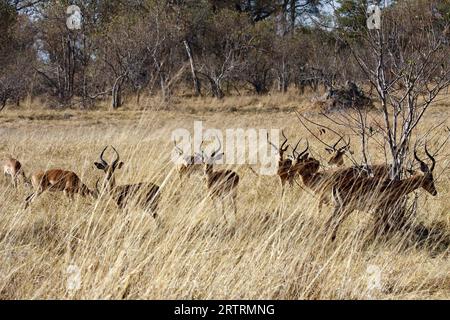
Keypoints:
pixel 199 47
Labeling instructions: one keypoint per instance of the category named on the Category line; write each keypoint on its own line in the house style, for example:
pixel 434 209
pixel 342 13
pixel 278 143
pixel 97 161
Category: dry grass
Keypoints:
pixel 272 249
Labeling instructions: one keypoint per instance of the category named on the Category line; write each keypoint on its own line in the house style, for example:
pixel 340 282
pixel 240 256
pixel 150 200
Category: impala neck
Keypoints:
pixel 208 169
pixel 110 182
pixel 311 180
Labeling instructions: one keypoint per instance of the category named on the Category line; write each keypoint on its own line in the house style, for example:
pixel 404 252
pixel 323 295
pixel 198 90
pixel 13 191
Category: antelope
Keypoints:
pixel 321 182
pixel 13 168
pixel 284 164
pixel 57 180
pixel 221 184
pixel 189 163
pixel 368 193
pixel 146 195
pixel 380 171
pixel 338 153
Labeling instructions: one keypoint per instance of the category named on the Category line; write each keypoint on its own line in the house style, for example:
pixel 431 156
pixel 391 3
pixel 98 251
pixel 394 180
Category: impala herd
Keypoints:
pixel 345 188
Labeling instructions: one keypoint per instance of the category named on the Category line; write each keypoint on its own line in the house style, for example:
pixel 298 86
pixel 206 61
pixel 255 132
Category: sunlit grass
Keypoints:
pixel 274 248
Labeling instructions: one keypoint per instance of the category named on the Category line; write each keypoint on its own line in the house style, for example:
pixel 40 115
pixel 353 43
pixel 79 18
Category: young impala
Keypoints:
pixel 221 184
pixel 13 168
pixel 57 180
pixel 146 195
pixel 361 193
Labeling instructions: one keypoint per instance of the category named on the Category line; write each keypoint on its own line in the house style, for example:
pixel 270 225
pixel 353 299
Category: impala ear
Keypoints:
pixel 120 165
pixel 329 150
pixel 99 165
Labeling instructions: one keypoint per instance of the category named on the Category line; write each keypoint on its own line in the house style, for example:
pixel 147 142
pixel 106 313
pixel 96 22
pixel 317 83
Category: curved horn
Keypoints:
pixel 201 151
pixel 295 149
pixel 284 142
pixel 334 145
pixel 346 145
pixel 101 156
pixel 422 164
pixel 433 161
pixel 270 142
pixel 116 160
pixel 200 147
pixel 218 149
pixel 177 148
pixel 304 151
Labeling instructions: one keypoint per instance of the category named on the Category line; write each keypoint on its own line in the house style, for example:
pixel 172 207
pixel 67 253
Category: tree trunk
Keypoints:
pixel 117 93
pixel 197 88
pixel 283 77
pixel 283 83
pixel 162 82
pixel 68 69
pixel 216 89
pixel 116 97
pixel 84 90
pixel 260 87
pixel 292 15
pixel 3 104
pixel 138 97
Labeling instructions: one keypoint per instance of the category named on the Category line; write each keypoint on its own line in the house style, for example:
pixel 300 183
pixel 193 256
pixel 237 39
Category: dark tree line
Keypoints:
pixel 205 47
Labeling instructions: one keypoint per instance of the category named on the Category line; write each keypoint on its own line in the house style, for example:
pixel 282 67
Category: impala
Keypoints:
pixel 221 184
pixel 380 171
pixel 338 153
pixel 368 193
pixel 284 164
pixel 321 182
pixel 146 195
pixel 13 168
pixel 57 180
pixel 189 164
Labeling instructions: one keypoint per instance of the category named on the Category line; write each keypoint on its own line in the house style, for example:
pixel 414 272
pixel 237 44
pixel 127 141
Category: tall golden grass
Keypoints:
pixel 273 249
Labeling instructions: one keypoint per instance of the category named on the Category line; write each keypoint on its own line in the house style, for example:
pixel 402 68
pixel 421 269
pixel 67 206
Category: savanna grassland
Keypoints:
pixel 272 249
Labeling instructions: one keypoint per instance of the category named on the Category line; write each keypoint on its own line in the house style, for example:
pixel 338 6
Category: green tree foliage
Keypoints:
pixel 352 16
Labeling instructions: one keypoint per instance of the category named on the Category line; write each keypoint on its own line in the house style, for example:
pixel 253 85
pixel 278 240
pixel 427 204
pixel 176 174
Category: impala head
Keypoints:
pixel 109 168
pixel 338 153
pixel 304 164
pixel 428 179
pixel 209 160
pixel 188 159
pixel 294 153
pixel 283 148
pixel 300 156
